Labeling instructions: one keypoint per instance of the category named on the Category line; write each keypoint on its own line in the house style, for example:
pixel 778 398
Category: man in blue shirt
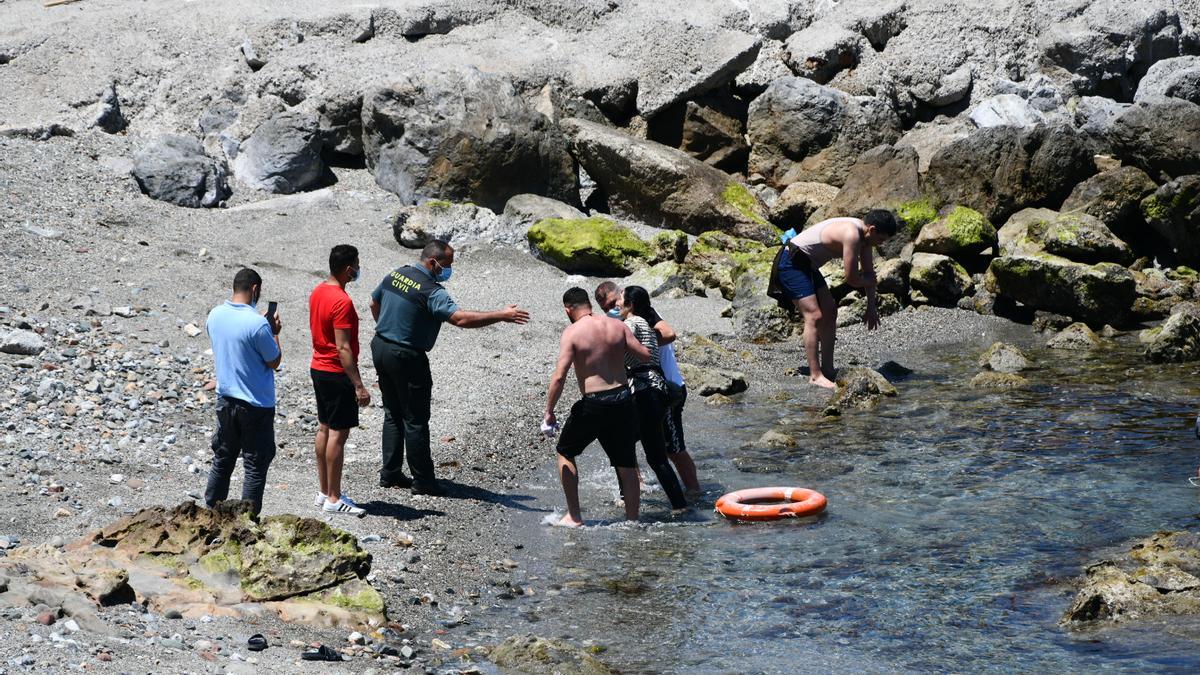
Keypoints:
pixel 246 352
pixel 410 305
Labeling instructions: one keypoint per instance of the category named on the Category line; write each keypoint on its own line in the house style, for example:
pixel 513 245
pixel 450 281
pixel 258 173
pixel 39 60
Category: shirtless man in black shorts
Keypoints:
pixel 596 347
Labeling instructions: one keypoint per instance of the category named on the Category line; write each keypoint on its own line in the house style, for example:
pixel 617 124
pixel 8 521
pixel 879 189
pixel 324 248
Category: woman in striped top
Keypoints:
pixel 649 388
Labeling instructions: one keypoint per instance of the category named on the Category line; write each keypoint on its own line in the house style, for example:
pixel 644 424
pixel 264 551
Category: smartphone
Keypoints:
pixel 272 311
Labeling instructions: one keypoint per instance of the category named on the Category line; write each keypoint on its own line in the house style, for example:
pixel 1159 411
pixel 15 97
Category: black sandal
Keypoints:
pixel 256 643
pixel 322 653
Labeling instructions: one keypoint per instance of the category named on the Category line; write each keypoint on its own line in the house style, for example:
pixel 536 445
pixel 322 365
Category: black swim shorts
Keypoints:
pixel 337 406
pixel 609 417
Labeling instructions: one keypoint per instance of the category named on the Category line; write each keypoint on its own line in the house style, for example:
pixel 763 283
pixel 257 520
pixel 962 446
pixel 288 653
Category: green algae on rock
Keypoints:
pixel 212 561
pixel 917 213
pixel 595 246
pixel 1097 294
pixel 962 231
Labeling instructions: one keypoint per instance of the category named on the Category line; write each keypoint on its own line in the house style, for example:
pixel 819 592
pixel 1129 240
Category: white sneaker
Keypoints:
pixel 319 500
pixel 340 506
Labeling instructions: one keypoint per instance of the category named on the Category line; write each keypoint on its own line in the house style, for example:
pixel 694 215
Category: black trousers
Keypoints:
pixel 651 410
pixel 246 430
pixel 407 387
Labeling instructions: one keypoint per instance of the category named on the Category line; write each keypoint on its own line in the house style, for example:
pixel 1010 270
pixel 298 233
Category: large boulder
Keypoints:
pixel 1173 212
pixel 822 50
pixel 802 131
pixel 465 226
pixel 593 246
pixel 1107 45
pixel 718 259
pixel 713 131
pixel 1082 238
pixel 1175 78
pixel 1097 294
pixel 1006 110
pixel 1001 170
pixel 882 177
pixel 1014 237
pixel 522 211
pixel 1161 137
pixel 221 561
pixel 283 155
pixel 175 169
pixel 665 187
pixel 1176 341
pixel 799 201
pixel 938 279
pixel 1115 197
pixel 712 381
pixel 463 135
pixel 961 232
pixel 757 317
pixel 929 138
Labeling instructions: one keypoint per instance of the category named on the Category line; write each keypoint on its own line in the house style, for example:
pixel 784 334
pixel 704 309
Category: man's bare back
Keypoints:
pixel 597 347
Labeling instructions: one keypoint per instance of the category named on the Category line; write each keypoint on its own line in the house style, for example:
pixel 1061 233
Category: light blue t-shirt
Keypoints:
pixel 242 345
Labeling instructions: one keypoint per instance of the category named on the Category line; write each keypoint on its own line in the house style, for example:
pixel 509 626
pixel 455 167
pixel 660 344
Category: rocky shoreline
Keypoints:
pixel 1043 157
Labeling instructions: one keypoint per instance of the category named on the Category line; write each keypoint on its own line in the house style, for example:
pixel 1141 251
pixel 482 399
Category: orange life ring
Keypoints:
pixel 797 503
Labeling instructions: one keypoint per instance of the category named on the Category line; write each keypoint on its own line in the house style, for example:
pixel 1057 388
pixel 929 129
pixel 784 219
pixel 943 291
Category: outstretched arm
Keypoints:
pixel 464 318
pixel 566 353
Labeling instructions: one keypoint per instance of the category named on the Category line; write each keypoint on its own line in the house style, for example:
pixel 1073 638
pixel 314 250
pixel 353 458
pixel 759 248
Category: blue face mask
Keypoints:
pixel 443 274
pixel 356 274
pixel 615 312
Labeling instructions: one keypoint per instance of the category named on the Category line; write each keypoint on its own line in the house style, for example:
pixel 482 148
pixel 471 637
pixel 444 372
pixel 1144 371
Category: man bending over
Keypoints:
pixel 800 275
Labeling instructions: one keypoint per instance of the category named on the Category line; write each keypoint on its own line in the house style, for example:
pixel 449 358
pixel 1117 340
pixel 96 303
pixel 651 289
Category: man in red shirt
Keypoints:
pixel 336 381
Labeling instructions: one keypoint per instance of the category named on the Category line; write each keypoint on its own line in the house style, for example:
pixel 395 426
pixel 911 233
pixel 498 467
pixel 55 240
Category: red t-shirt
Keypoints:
pixel 329 307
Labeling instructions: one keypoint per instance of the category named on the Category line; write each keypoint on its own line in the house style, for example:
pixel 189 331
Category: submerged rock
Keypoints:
pixel 1158 577
pixel 539 655
pixel 1004 358
pixel 997 380
pixel 858 388
pixel 1176 341
pixel 1076 336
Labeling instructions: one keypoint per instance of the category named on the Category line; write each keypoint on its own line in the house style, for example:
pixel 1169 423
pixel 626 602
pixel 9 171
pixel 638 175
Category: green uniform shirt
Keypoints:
pixel 412 307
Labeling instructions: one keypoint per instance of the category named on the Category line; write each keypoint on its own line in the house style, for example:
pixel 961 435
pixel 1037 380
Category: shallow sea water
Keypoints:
pixel 956 518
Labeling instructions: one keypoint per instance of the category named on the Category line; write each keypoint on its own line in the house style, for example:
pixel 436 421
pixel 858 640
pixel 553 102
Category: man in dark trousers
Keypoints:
pixel 410 305
pixel 246 354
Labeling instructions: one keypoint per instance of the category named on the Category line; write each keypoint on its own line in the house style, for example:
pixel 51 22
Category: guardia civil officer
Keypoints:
pixel 409 307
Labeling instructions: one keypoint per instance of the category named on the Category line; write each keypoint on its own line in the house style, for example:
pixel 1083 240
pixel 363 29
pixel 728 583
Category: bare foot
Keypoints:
pixel 822 381
pixel 568 521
